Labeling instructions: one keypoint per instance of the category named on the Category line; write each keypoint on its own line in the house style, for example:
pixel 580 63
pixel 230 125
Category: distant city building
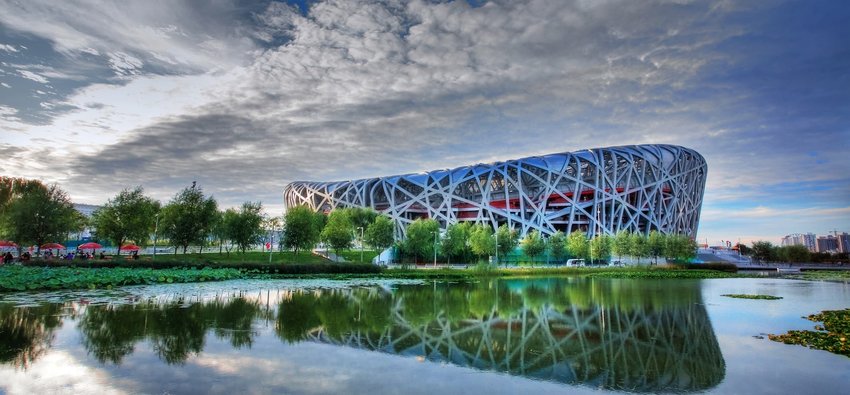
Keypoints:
pixel 801 239
pixel 844 242
pixel 827 244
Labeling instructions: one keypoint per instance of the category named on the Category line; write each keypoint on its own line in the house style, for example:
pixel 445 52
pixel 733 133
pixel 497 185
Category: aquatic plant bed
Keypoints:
pixel 22 278
pixel 745 296
pixel 663 274
pixel 821 275
pixel 832 336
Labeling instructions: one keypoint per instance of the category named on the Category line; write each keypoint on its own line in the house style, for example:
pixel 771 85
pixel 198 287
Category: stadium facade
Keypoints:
pixel 637 188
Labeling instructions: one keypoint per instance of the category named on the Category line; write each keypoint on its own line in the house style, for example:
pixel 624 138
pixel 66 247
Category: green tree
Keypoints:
pixel 481 241
pixel 508 240
pixel 638 246
pixel 361 217
pixel 578 245
pixel 420 240
pixel 129 216
pixel 302 228
pixel 39 215
pixel 533 245
pixel 655 244
pixel 380 233
pixel 220 229
pixel 189 217
pixel 679 247
pixel 557 246
pixel 245 227
pixel 339 231
pixel 795 254
pixel 763 251
pixel 600 247
pixel 621 244
pixel 455 241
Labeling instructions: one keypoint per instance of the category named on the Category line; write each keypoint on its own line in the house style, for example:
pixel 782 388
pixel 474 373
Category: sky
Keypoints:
pixel 244 97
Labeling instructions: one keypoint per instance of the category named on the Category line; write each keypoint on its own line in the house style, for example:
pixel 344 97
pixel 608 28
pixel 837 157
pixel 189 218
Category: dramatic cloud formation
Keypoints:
pixel 246 98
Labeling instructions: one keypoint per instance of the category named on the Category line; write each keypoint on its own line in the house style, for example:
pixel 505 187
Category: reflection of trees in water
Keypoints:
pixel 175 329
pixel 26 332
pixel 639 336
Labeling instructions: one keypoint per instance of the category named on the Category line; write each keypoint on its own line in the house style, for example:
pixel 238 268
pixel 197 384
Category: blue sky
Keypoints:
pixel 246 96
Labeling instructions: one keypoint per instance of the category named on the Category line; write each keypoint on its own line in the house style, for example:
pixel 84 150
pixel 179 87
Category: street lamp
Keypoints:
pixel 361 243
pixel 496 261
pixel 436 232
pixel 155 228
pixel 271 241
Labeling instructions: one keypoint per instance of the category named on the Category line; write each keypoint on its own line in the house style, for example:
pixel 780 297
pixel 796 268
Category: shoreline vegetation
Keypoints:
pixel 833 335
pixel 37 275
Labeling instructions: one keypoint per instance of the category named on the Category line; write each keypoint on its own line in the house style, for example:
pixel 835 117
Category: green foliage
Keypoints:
pixel 748 296
pixel 40 214
pixel 420 241
pixel 533 245
pixel 361 217
pixel 244 227
pixel 21 278
pixel 302 228
pixel 507 239
pixel 679 247
pixel 655 244
pixel 763 251
pixel 455 241
pixel 130 216
pixel 621 244
pixel 339 231
pixel 380 233
pixel 578 245
pixel 557 246
pixel 794 254
pixel 189 217
pixel 481 241
pixel 600 247
pixel 832 336
pixel 638 246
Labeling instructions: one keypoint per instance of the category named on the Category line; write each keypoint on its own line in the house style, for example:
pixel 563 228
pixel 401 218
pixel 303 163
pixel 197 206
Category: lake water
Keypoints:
pixel 541 335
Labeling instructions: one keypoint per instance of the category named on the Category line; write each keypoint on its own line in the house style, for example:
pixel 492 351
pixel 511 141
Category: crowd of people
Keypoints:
pixel 26 256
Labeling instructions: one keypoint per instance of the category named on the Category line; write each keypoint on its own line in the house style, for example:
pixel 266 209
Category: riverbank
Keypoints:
pixel 96 274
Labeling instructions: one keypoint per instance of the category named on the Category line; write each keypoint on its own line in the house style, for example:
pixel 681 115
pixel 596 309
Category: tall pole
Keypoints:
pixel 155 228
pixel 435 247
pixel 361 243
pixel 497 247
pixel 271 244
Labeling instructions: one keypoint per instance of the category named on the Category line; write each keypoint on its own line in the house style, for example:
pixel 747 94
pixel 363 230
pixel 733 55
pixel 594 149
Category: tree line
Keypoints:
pixel 467 242
pixel 33 213
pixel 765 251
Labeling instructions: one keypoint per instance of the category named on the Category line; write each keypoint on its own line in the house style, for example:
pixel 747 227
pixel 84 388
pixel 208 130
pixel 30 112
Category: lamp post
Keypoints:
pixel 155 228
pixel 436 232
pixel 497 247
pixel 271 241
pixel 361 243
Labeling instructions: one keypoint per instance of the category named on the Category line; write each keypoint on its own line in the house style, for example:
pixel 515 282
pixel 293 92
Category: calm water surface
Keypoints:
pixel 548 335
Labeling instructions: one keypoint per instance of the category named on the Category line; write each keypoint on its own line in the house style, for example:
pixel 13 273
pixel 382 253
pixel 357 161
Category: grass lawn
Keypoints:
pixel 354 255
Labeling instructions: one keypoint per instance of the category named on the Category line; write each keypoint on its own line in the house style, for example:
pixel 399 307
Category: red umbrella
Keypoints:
pixel 130 247
pixel 52 246
pixel 7 243
pixel 89 246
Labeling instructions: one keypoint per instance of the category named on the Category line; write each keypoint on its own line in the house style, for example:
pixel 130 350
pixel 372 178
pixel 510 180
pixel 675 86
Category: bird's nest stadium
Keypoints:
pixel 637 188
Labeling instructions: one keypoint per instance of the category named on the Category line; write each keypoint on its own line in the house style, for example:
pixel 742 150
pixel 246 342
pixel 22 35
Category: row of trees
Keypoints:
pixel 765 251
pixel 465 242
pixel 34 213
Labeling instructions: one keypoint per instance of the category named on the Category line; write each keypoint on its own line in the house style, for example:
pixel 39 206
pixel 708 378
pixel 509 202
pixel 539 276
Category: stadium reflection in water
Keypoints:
pixel 614 334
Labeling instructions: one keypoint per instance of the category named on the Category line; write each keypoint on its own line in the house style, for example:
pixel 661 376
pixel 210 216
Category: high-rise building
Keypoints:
pixel 844 242
pixel 803 239
pixel 827 244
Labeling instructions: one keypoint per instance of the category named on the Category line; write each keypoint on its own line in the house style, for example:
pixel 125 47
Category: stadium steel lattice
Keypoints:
pixel 602 190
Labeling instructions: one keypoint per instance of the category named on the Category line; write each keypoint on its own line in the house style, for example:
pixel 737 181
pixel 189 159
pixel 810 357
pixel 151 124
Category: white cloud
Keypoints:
pixel 8 48
pixel 33 76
